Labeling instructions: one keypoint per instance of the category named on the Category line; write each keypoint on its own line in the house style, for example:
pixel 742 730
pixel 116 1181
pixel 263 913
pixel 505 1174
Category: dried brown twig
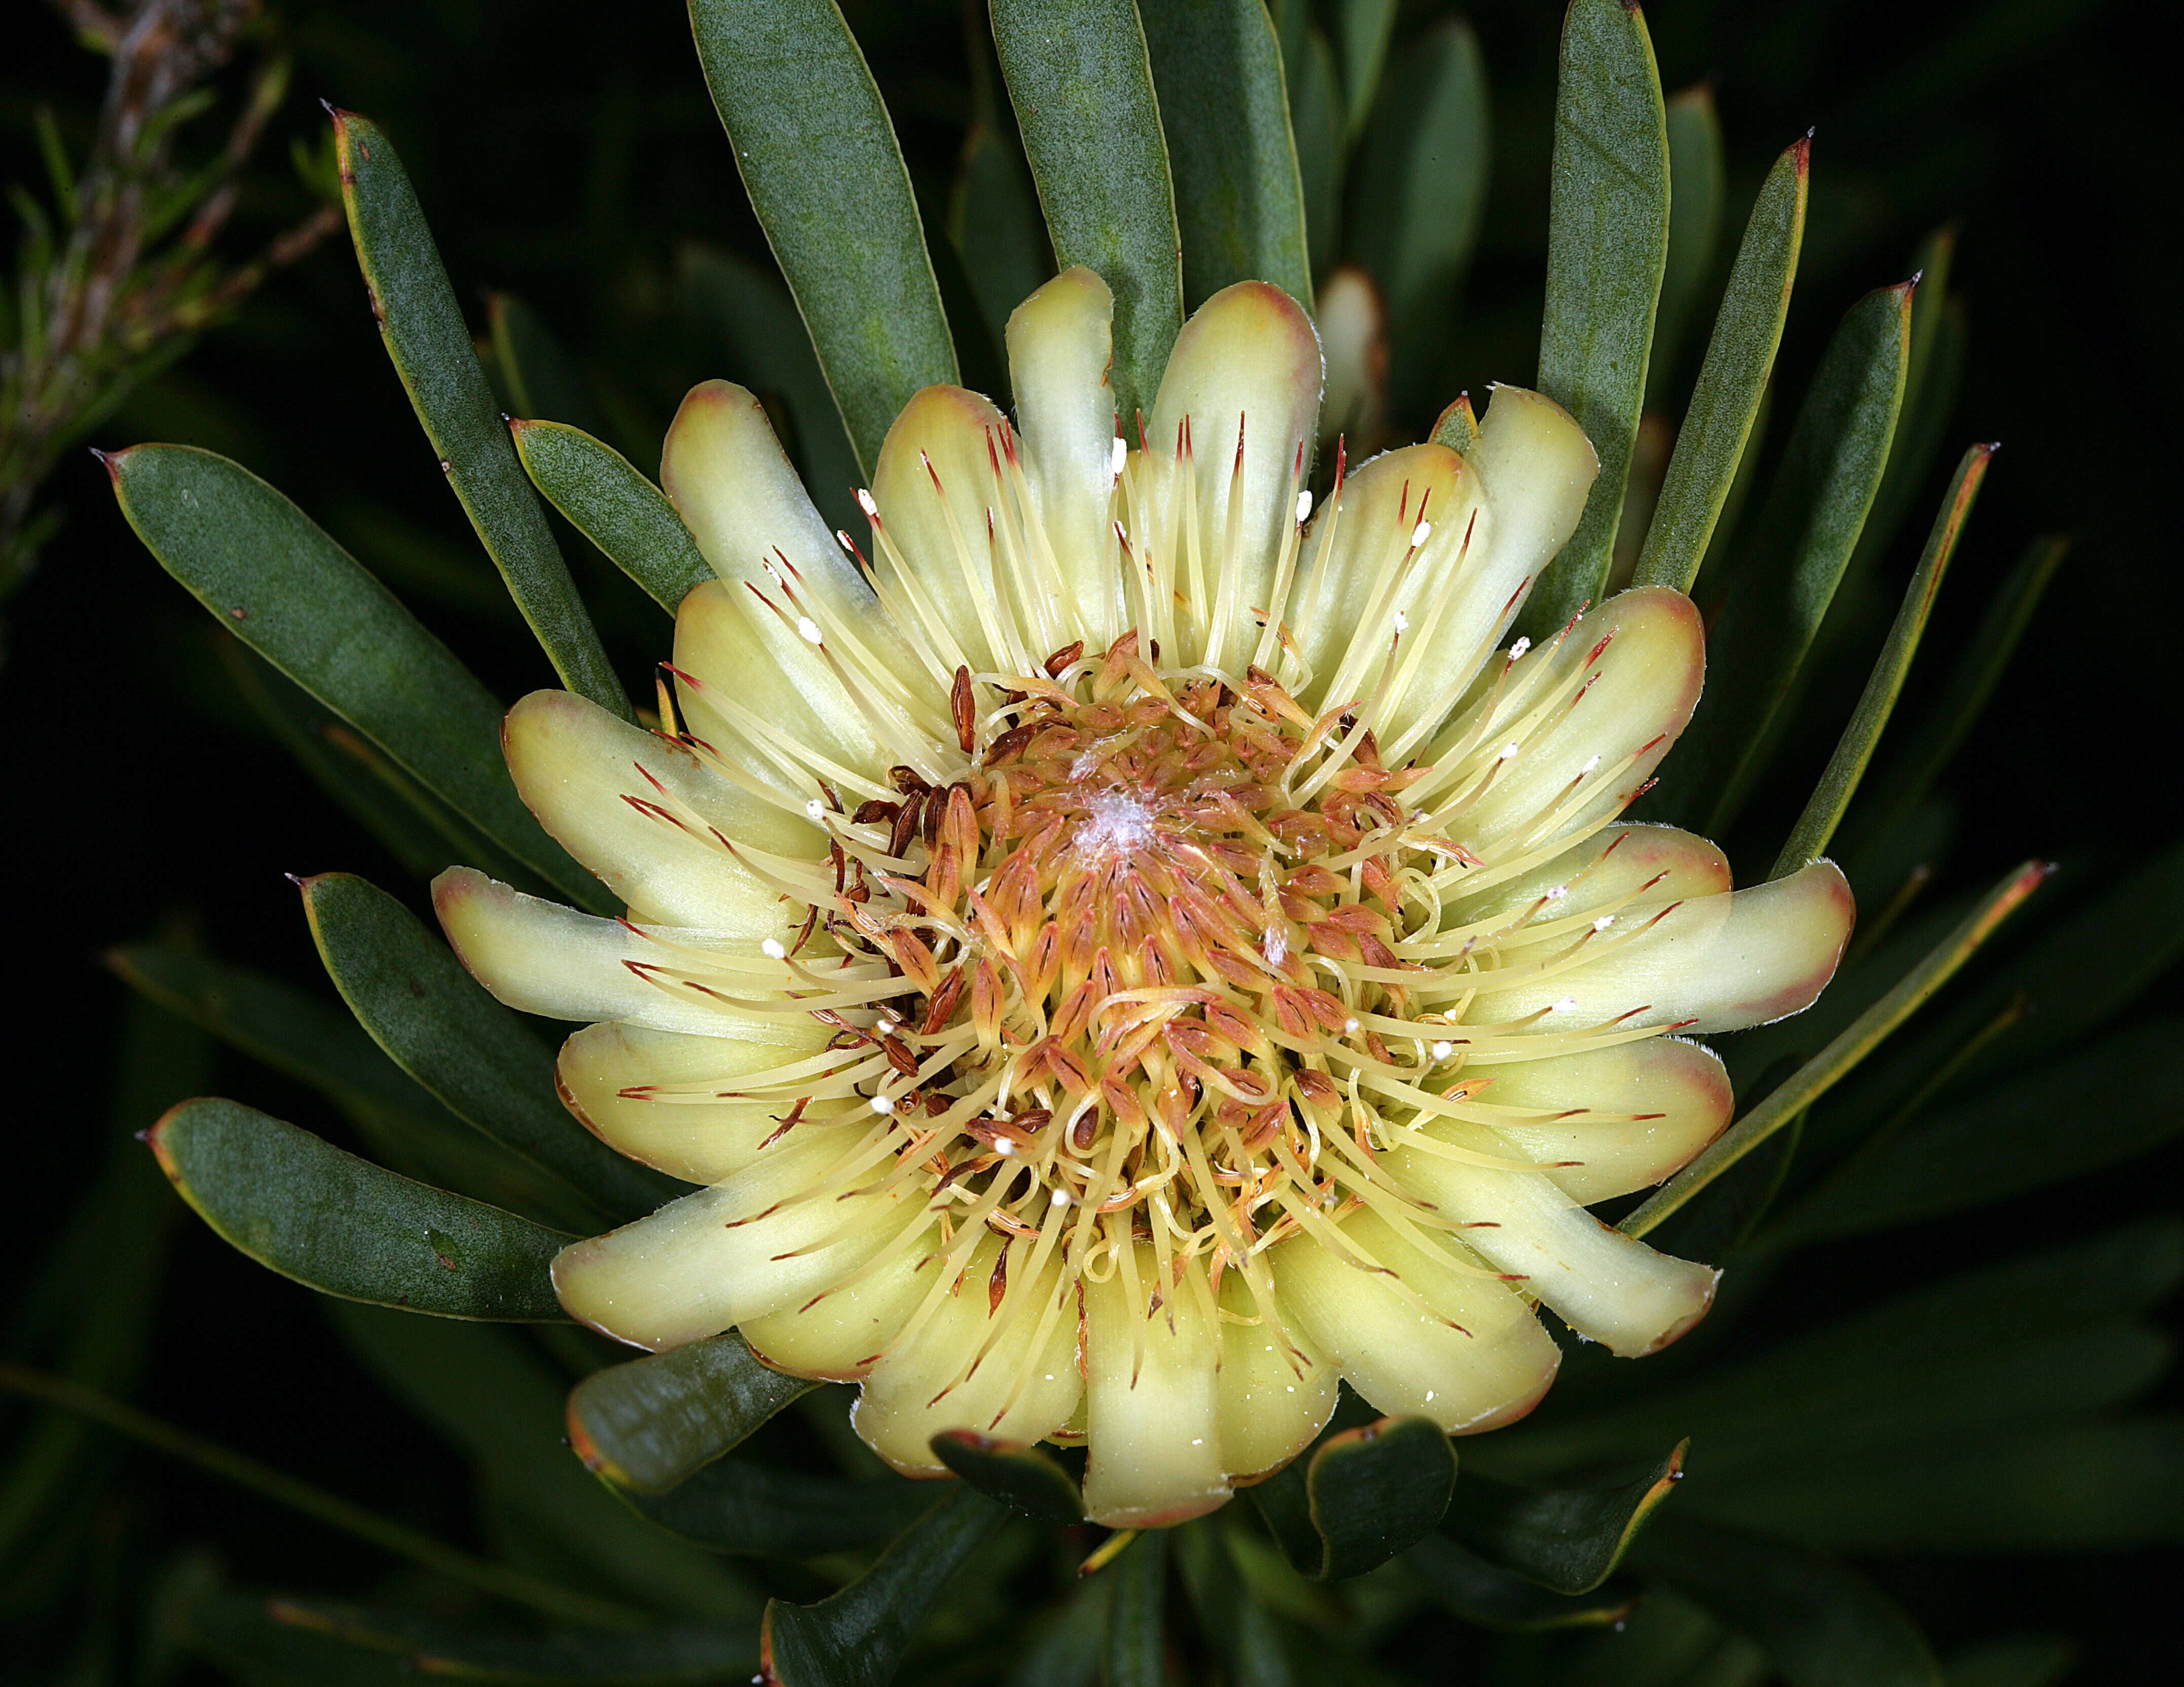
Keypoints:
pixel 117 287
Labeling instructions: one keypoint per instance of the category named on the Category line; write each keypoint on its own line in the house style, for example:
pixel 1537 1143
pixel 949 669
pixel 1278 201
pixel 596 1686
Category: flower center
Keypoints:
pixel 1127 941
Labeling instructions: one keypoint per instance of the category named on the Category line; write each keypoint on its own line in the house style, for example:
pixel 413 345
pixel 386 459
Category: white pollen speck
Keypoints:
pixel 815 810
pixel 1059 1197
pixel 865 503
pixel 1304 503
pixel 1591 766
pixel 1518 650
pixel 1555 894
pixel 774 951
pixel 1603 922
pixel 1350 1028
pixel 1276 948
pixel 884 1104
pixel 1509 751
pixel 810 629
pixel 1117 824
pixel 846 542
pixel 1420 534
pixel 1565 1004
pixel 1402 621
pixel 1441 1051
pixel 1003 1146
pixel 1120 457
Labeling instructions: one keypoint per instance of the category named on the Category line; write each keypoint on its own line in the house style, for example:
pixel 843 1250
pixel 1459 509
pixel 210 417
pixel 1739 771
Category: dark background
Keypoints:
pixel 564 149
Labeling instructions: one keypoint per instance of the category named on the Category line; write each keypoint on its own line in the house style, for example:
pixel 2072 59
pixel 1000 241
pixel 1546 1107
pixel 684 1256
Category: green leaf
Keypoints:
pixel 1367 1495
pixel 666 1657
pixel 345 1227
pixel 1481 1593
pixel 654 1422
pixel 542 381
pixel 1023 1478
pixel 1820 1623
pixel 1239 202
pixel 1066 1652
pixel 1908 774
pixel 1803 540
pixel 442 1027
pixel 485 1390
pixel 1316 120
pixel 278 583
pixel 1607 241
pixel 614 506
pixel 1667 1641
pixel 1364 29
pixel 1720 436
pixel 2044 1123
pixel 1421 191
pixel 856 1637
pixel 819 158
pixel 751 323
pixel 994 223
pixel 1839 781
pixel 743 1506
pixel 1788 1101
pixel 426 338
pixel 1136 1642
pixel 1082 85
pixel 398 1119
pixel 2065 1488
pixel 1695 170
pixel 1243 1638
pixel 1568 1541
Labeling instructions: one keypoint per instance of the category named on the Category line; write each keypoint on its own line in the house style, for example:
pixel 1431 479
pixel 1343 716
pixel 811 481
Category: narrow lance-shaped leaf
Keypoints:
pixel 1789 1099
pixel 345 1227
pixel 819 158
pixel 1820 1623
pixel 1696 168
pixel 443 1028
pixel 1136 1648
pixel 1081 82
pixel 1803 540
pixel 1717 426
pixel 1492 1597
pixel 541 379
pixel 1839 782
pixel 1367 1495
pixel 856 1637
pixel 1568 1541
pixel 279 584
pixel 755 1507
pixel 1607 241
pixel 993 218
pixel 614 506
pixel 1244 1640
pixel 1316 119
pixel 429 342
pixel 1238 201
pixel 1421 191
pixel 1022 1478
pixel 653 1421
pixel 1363 28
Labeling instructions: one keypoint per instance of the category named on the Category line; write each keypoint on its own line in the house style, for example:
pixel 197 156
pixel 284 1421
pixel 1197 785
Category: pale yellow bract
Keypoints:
pixel 1124 958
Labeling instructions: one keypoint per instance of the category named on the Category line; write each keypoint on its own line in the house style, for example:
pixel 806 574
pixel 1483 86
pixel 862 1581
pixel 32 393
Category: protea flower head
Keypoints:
pixel 1120 959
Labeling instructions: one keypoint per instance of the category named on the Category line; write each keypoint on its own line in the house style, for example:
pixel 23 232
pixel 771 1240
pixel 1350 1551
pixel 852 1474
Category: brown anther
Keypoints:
pixel 965 708
pixel 1062 657
pixel 905 825
pixel 940 1007
pixel 901 1056
pixel 997 1285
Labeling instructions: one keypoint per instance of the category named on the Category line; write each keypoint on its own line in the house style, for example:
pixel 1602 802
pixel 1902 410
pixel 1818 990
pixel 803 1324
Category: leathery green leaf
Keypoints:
pixel 1242 1633
pixel 1839 781
pixel 1363 28
pixel 1239 202
pixel 614 506
pixel 1135 1650
pixel 1799 548
pixel 1608 242
pixel 1316 120
pixel 819 158
pixel 1696 168
pixel 1568 1541
pixel 993 218
pixel 652 1423
pixel 1082 85
pixel 1494 1598
pixel 278 583
pixel 1789 1100
pixel 495 1400
pixel 670 1656
pixel 1021 1478
pixel 1717 426
pixel 541 379
pixel 1421 190
pixel 1820 1623
pixel 2061 1119
pixel 746 1505
pixel 1066 1652
pixel 429 342
pixel 1367 1494
pixel 442 1027
pixel 345 1227
pixel 854 1638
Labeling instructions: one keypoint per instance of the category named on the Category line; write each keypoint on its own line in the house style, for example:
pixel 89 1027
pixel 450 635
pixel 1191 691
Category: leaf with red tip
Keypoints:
pixel 1367 1494
pixel 655 1421
pixel 1568 1541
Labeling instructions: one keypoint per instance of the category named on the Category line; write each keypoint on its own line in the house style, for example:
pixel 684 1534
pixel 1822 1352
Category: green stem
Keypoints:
pixel 511 1584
